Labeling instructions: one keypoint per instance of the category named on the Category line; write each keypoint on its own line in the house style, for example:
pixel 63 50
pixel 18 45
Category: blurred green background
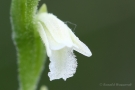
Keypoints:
pixel 107 27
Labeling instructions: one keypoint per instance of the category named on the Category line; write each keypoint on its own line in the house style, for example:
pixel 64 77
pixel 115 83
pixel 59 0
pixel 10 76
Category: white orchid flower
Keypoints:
pixel 60 42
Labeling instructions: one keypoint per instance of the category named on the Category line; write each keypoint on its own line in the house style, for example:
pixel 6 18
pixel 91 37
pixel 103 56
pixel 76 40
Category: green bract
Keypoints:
pixel 30 49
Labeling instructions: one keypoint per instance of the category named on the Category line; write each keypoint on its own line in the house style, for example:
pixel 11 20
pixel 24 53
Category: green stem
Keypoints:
pixel 30 49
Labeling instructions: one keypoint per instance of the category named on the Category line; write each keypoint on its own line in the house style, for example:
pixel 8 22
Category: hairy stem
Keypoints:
pixel 30 49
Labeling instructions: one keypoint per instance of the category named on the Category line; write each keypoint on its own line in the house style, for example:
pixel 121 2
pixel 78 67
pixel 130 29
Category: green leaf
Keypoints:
pixel 30 49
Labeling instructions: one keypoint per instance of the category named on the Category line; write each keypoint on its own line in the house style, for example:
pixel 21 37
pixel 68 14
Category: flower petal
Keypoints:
pixel 44 38
pixel 57 28
pixel 79 45
pixel 63 64
pixel 52 43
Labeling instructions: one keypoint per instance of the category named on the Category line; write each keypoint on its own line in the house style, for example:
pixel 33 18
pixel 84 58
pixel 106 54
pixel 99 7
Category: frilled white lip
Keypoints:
pixel 60 42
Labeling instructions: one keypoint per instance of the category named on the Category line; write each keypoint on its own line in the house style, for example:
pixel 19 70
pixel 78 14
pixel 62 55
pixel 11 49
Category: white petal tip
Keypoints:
pixel 89 54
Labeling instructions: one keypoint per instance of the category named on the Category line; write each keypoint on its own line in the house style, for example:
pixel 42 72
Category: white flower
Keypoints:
pixel 60 42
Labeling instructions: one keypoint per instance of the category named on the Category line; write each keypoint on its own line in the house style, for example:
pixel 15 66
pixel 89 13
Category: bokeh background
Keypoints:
pixel 107 27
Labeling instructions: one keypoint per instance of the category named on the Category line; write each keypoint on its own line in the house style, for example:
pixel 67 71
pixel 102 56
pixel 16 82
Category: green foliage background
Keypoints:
pixel 106 26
